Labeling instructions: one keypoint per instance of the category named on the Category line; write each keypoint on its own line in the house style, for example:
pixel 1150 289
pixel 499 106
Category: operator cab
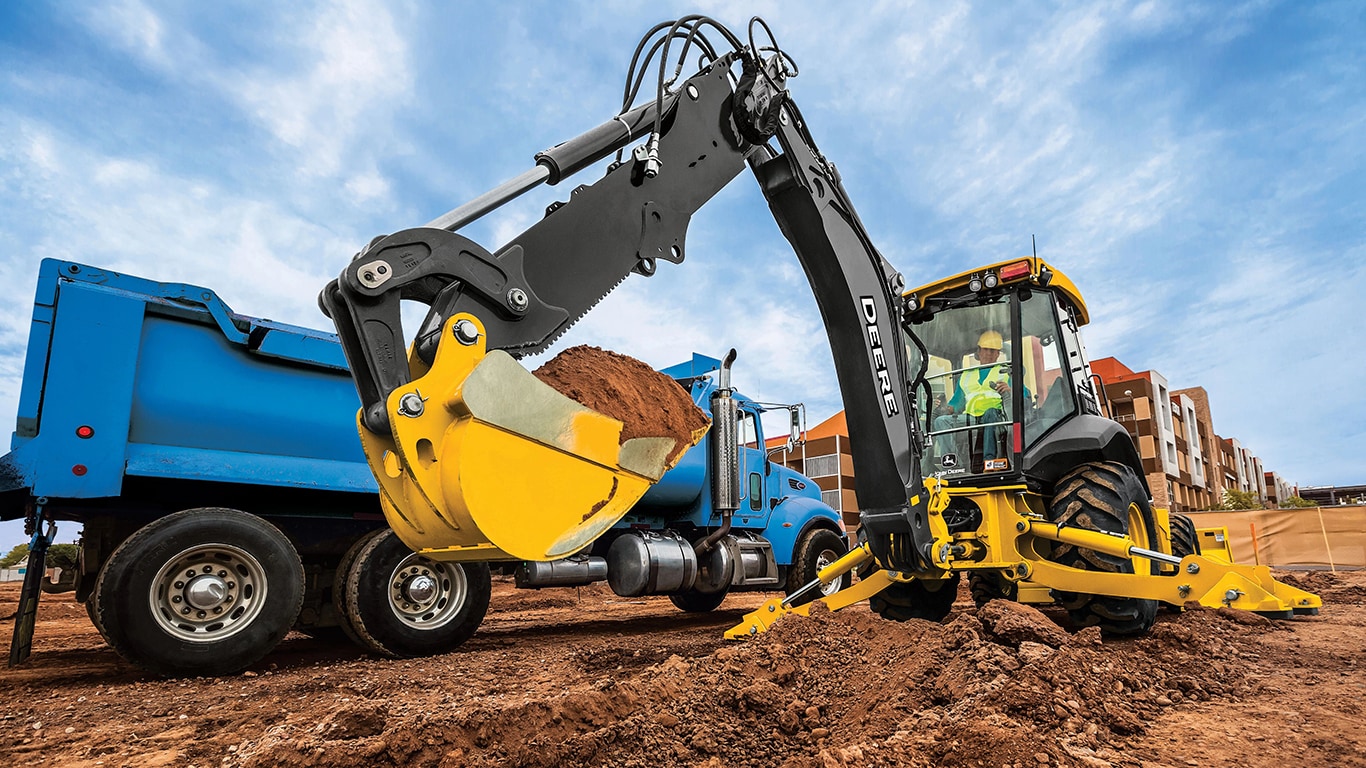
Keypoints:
pixel 1003 367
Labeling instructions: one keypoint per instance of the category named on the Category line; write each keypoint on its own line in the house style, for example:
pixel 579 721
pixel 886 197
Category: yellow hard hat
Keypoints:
pixel 989 340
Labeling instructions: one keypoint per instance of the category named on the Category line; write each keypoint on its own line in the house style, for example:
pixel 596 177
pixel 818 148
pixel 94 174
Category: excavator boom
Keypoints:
pixel 702 132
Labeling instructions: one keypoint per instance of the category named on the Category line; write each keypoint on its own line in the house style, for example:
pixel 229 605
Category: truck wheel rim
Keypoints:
pixel 208 592
pixel 425 594
pixel 826 557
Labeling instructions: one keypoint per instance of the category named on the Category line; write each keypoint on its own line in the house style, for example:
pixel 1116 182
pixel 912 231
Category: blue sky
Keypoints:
pixel 1197 168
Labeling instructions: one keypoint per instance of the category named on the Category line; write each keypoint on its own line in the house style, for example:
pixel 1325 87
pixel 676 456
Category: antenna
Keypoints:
pixel 1035 245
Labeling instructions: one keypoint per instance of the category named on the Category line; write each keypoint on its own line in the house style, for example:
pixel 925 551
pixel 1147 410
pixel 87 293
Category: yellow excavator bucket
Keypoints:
pixel 486 462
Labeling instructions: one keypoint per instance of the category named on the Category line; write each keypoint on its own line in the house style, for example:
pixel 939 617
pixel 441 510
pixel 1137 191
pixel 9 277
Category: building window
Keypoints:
pixel 832 500
pixel 822 466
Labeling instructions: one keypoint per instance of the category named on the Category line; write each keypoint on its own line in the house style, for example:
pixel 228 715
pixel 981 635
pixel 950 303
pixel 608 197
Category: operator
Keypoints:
pixel 981 394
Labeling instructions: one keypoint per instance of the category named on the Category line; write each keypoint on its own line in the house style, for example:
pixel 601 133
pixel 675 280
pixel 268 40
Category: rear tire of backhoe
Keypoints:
pixel 986 587
pixel 403 605
pixel 818 548
pixel 1185 541
pixel 928 600
pixel 1106 497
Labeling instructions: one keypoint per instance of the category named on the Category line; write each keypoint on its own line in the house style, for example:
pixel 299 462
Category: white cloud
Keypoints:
pixel 353 73
pixel 133 26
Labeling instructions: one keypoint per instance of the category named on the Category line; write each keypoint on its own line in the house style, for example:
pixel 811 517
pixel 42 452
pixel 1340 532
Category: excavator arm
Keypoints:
pixel 700 133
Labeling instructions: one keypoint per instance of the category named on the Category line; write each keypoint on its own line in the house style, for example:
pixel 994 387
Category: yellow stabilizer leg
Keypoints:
pixel 764 616
pixel 486 462
pixel 1210 581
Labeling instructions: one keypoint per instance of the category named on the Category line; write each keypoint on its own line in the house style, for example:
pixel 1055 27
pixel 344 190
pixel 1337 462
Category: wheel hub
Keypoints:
pixel 426 594
pixel 206 592
pixel 420 589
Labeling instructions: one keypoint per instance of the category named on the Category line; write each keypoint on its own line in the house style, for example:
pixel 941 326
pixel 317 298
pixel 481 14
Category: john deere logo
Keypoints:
pixel 949 460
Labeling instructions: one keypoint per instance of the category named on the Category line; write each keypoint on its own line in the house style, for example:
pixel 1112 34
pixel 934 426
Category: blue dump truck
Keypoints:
pixel 212 462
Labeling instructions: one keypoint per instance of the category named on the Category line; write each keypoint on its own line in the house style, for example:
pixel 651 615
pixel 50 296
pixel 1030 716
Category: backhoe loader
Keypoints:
pixel 1034 493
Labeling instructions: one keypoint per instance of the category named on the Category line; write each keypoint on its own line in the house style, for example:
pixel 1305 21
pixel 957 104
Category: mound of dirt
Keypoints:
pixel 1003 687
pixel 1329 586
pixel 645 401
pixel 583 677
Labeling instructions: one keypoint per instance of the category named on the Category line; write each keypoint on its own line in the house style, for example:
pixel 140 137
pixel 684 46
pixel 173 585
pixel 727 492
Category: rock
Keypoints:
pixel 1016 623
pixel 1033 653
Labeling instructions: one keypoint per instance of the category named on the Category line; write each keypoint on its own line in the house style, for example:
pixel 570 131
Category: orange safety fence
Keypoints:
pixel 1316 537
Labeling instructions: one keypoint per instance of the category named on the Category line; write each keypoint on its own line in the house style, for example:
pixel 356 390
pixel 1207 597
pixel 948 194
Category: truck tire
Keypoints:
pixel 928 600
pixel 201 592
pixel 339 586
pixel 94 614
pixel 693 601
pixel 403 605
pixel 986 587
pixel 818 548
pixel 1105 497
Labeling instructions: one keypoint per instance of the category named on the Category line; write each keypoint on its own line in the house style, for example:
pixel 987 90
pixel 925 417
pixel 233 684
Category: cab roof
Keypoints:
pixel 1037 268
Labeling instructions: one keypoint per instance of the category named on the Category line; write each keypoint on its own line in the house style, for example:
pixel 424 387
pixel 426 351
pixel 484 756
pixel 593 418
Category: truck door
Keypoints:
pixel 754 507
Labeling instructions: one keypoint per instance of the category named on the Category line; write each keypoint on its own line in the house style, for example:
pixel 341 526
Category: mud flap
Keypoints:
pixel 21 644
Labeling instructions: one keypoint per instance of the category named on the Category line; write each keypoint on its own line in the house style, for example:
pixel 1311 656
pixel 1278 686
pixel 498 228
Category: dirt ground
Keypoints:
pixel 582 677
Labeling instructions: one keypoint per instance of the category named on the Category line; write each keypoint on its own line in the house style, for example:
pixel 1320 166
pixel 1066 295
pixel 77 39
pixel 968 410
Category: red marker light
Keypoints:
pixel 79 470
pixel 1012 271
pixel 84 432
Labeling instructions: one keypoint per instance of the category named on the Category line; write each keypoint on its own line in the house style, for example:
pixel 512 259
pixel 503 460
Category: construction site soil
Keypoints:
pixel 583 677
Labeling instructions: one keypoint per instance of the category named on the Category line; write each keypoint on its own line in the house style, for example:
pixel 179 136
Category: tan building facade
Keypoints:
pixel 1188 466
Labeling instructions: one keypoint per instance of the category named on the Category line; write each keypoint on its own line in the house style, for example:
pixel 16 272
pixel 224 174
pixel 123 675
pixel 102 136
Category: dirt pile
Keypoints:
pixel 645 401
pixel 1003 687
pixel 583 677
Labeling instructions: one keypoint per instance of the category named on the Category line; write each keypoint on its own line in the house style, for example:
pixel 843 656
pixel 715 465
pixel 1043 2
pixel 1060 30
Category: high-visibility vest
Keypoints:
pixel 978 394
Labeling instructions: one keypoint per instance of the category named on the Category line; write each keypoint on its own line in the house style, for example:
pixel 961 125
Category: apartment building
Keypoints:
pixel 1142 403
pixel 1277 489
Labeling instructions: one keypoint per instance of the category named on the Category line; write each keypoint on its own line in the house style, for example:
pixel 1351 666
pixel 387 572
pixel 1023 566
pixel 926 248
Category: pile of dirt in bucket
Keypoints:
pixel 645 401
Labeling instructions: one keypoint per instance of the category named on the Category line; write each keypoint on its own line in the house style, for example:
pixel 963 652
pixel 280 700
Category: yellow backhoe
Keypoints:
pixel 999 467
